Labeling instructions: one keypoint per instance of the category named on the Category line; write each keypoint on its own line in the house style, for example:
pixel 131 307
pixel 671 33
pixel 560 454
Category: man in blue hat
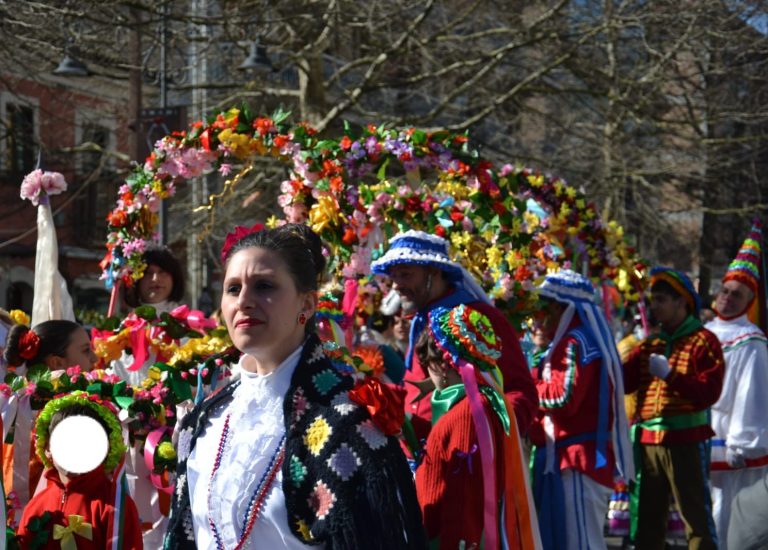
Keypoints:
pixel 425 278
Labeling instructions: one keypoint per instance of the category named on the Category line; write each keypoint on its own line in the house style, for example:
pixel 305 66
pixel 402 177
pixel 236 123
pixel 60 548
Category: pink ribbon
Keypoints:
pixel 195 318
pixel 153 440
pixel 485 439
pixel 348 307
pixel 139 345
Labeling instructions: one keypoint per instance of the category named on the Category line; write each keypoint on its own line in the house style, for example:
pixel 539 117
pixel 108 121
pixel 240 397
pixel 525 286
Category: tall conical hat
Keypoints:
pixel 745 268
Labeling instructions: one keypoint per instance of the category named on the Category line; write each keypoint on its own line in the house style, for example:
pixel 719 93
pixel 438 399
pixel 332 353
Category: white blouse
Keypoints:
pixel 255 431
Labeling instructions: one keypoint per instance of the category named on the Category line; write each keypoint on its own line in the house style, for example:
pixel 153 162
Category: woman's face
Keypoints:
pixel 261 305
pixel 79 351
pixel 155 286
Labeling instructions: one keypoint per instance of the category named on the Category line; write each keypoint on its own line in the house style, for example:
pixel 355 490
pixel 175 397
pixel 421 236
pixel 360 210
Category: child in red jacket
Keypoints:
pixel 88 510
pixel 472 485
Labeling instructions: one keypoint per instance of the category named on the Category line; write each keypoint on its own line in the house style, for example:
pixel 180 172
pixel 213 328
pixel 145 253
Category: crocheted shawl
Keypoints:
pixel 346 484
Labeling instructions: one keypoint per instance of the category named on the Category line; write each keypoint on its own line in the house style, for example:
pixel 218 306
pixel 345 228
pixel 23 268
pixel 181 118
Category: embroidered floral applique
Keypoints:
pixel 181 483
pixel 344 462
pixel 317 435
pixel 325 381
pixel 300 405
pixel 298 471
pixel 371 434
pixel 317 355
pixel 321 500
pixel 343 404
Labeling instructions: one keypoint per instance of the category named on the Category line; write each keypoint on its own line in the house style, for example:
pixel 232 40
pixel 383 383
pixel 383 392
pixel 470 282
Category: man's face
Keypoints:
pixel 733 299
pixel 414 284
pixel 666 309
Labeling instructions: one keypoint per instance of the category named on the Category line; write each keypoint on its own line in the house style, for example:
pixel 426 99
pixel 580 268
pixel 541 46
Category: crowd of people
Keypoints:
pixel 473 434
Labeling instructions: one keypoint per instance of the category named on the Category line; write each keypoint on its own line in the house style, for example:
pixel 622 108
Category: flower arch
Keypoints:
pixel 508 225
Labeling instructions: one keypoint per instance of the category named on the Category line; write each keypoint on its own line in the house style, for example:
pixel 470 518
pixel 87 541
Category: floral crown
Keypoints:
pixel 235 236
pixel 104 409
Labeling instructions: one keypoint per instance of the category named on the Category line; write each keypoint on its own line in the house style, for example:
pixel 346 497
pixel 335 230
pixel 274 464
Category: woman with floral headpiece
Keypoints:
pixel 472 484
pixel 286 456
pixel 81 507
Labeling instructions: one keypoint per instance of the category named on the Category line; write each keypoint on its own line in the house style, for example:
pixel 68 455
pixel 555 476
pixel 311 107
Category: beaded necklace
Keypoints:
pixel 256 502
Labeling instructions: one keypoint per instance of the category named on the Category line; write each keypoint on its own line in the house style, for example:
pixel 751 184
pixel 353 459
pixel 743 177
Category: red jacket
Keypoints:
pixel 91 496
pixel 571 399
pixel 518 383
pixel 449 482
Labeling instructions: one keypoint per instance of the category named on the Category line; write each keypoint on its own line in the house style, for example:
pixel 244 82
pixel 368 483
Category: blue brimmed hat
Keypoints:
pixel 420 248
pixel 567 286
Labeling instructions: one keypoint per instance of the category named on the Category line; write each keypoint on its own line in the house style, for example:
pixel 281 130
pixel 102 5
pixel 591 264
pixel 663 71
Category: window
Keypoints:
pixel 98 135
pixel 21 146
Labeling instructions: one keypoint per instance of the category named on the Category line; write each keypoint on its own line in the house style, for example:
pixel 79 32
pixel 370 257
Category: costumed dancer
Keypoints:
pixel 79 439
pixel 582 435
pixel 740 416
pixel 425 278
pixel 472 484
pixel 283 457
pixel 678 375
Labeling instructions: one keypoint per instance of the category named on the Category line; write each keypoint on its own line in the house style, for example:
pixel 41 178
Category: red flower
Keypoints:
pixel 117 218
pixel 440 231
pixel 345 143
pixel 263 125
pixel 385 404
pixel 280 140
pixel 234 237
pixel 29 344
pixel 349 237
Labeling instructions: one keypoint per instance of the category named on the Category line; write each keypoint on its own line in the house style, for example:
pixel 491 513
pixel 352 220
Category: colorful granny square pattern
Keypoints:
pixel 325 381
pixel 344 462
pixel 321 500
pixel 343 404
pixel 317 435
pixel 298 471
pixel 371 434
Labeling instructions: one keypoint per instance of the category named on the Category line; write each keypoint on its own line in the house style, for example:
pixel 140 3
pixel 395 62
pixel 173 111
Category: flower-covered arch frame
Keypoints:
pixel 508 226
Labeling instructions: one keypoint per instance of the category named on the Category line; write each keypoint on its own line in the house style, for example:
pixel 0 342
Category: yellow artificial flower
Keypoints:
pixel 531 220
pixel 580 204
pixel 536 180
pixel 19 317
pixel 166 451
pixel 494 257
pixel 570 192
pixel 231 116
pixel 239 144
pixel 324 214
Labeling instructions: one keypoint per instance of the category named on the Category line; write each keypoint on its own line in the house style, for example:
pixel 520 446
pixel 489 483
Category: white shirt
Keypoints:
pixel 739 416
pixel 255 430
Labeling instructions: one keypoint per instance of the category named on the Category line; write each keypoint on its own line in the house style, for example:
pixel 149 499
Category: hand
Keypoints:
pixel 735 458
pixel 659 366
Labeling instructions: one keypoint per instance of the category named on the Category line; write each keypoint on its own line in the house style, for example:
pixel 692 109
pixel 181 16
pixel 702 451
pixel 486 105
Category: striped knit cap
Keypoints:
pixel 681 283
pixel 745 268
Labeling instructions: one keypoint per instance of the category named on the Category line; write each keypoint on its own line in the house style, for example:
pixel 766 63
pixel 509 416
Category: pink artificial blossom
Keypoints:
pixel 38 183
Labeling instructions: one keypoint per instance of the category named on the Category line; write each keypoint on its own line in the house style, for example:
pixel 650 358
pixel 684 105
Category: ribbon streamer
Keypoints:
pixel 153 440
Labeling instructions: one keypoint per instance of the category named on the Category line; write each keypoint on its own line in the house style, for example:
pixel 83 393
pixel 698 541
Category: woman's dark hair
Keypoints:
pixel 162 257
pixel 76 410
pixel 298 246
pixel 55 337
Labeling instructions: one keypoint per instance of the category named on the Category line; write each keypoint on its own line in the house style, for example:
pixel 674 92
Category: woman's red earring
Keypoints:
pixel 302 318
